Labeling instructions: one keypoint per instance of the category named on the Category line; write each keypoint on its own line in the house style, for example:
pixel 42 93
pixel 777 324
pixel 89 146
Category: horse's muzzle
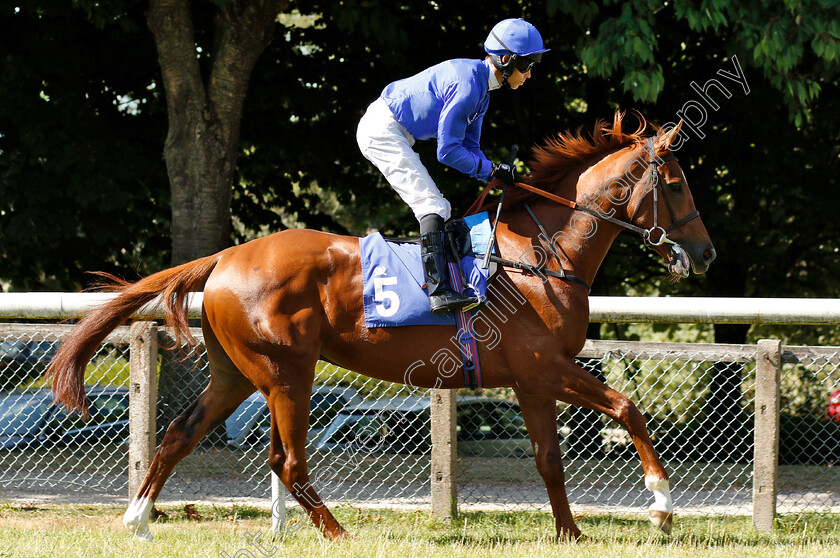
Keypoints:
pixel 686 258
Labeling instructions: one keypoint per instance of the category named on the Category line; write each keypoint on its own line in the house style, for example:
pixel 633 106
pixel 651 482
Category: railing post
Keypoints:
pixel 142 401
pixel 768 367
pixel 444 454
pixel 278 504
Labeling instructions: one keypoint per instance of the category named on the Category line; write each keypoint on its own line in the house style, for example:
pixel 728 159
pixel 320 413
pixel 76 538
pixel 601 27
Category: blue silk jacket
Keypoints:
pixel 447 102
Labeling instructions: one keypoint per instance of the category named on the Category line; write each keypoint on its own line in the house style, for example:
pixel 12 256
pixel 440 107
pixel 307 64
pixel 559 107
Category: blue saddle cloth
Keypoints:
pixel 392 275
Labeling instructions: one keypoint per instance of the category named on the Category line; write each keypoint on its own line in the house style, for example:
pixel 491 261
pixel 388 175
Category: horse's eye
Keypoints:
pixel 676 186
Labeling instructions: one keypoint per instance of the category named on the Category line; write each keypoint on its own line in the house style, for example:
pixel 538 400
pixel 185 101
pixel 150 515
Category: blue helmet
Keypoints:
pixel 518 39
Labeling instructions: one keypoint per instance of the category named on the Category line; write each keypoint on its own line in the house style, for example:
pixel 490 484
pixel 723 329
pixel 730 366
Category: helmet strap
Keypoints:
pixel 505 69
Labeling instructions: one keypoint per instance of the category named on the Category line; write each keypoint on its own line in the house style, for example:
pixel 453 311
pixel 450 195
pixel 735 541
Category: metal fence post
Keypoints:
pixel 142 401
pixel 444 453
pixel 768 366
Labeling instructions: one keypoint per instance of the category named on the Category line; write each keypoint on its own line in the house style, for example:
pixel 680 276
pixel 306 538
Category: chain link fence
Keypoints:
pixel 809 433
pixel 370 441
pixel 46 453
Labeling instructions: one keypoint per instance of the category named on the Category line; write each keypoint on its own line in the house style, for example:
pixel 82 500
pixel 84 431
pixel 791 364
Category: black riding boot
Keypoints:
pixel 441 296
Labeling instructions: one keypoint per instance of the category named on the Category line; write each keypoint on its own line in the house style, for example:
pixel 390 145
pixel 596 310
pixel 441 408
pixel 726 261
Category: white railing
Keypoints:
pixel 61 306
pixel 609 309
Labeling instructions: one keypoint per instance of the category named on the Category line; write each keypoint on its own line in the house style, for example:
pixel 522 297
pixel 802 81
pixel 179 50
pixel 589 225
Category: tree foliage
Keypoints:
pixel 83 127
pixel 81 185
pixel 795 44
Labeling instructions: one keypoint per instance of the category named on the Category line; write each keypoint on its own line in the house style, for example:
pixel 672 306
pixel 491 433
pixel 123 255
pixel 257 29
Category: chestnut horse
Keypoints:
pixel 276 305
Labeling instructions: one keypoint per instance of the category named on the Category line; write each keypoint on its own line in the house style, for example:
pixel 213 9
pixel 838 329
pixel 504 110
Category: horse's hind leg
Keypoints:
pixel 219 399
pixel 540 414
pixel 289 407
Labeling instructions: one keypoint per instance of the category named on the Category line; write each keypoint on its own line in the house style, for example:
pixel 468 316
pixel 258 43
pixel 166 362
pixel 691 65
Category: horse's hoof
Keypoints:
pixel 136 518
pixel 572 537
pixel 139 530
pixel 144 534
pixel 663 520
pixel 584 539
pixel 338 535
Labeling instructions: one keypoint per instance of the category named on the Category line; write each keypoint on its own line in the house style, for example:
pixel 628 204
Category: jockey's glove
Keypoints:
pixel 505 173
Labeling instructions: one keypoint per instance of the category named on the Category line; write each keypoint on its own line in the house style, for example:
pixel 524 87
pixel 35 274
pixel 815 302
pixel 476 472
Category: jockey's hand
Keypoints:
pixel 505 173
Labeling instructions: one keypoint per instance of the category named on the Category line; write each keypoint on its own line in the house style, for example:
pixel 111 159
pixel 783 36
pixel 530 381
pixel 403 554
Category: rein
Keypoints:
pixel 653 184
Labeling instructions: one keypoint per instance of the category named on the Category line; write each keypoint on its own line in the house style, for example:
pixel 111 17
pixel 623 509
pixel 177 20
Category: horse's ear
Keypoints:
pixel 667 137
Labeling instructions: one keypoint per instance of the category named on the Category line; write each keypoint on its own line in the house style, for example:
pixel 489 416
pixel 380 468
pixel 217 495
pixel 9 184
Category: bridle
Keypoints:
pixel 654 184
pixel 655 176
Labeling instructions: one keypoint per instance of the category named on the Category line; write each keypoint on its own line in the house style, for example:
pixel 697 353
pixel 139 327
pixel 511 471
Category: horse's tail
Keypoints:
pixel 67 368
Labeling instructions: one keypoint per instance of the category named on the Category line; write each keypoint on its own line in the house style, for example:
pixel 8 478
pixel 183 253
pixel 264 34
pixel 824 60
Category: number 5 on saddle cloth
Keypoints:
pixel 392 274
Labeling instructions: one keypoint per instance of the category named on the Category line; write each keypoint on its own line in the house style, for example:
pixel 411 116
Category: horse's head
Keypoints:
pixel 662 205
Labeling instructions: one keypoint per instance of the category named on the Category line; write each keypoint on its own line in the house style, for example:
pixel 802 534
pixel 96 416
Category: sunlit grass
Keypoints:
pixel 226 530
pixel 106 370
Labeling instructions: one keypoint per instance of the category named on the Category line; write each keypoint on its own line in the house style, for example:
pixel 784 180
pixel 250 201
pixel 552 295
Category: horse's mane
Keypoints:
pixel 565 151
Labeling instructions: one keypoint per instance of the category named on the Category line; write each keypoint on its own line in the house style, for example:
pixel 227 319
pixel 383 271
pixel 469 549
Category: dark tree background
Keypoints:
pixel 82 186
pixel 83 127
pixel 223 117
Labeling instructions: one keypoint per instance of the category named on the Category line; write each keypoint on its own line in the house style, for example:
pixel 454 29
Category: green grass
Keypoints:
pixel 93 531
pixel 106 370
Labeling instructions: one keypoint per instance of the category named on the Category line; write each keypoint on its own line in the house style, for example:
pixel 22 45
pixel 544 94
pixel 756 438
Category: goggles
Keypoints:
pixel 523 64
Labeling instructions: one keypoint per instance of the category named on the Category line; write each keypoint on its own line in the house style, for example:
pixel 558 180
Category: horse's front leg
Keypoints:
pixel 540 414
pixel 570 383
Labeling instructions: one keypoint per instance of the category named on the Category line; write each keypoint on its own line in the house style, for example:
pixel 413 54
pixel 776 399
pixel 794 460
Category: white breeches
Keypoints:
pixel 387 144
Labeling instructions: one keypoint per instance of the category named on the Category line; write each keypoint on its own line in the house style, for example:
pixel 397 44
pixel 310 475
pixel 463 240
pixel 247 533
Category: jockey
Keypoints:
pixel 446 102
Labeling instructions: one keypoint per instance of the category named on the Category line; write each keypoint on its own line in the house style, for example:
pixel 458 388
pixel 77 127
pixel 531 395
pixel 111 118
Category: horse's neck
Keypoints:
pixel 581 240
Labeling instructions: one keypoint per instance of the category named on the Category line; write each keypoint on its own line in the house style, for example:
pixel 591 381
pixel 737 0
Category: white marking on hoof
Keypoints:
pixel 661 512
pixel 136 518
